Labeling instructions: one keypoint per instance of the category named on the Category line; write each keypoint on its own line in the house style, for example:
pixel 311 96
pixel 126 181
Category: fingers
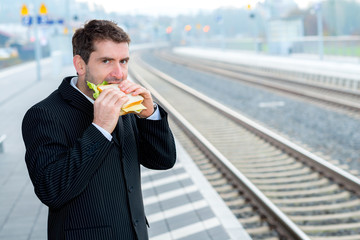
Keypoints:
pixel 112 97
pixel 107 108
pixel 125 85
pixel 141 91
pixel 130 87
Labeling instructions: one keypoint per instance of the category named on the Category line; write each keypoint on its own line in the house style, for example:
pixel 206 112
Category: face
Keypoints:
pixel 109 62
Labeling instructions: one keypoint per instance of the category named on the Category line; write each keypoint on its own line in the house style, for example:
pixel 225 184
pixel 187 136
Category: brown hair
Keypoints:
pixel 96 30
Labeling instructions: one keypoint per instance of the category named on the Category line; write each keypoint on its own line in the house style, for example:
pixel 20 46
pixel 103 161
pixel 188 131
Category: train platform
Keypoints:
pixel 179 203
pixel 331 66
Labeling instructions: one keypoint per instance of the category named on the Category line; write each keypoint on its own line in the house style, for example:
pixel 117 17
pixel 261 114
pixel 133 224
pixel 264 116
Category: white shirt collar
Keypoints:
pixel 73 83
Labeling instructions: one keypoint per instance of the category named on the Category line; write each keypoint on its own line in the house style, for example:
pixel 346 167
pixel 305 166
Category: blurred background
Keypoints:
pixel 278 27
pixel 312 42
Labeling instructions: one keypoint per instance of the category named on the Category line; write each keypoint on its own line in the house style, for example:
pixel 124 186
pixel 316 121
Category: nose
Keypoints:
pixel 117 71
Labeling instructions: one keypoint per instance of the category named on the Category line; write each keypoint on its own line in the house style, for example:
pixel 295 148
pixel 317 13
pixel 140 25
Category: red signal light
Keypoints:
pixel 187 28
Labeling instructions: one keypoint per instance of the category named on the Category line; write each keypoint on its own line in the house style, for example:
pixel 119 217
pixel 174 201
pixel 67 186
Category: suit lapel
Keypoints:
pixel 75 98
pixel 118 133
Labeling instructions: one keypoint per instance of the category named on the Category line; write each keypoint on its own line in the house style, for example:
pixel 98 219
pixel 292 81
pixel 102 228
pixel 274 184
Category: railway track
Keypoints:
pixel 275 188
pixel 341 98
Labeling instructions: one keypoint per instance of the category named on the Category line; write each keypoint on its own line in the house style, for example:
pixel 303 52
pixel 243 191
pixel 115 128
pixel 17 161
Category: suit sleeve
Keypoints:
pixel 156 143
pixel 60 172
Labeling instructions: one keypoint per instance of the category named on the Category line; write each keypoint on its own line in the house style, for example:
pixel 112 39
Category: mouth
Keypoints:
pixel 114 80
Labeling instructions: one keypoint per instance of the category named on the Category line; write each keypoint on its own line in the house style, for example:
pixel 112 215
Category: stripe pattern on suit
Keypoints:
pixel 91 185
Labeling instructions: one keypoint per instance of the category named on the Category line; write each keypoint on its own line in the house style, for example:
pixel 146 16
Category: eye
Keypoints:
pixel 124 61
pixel 106 61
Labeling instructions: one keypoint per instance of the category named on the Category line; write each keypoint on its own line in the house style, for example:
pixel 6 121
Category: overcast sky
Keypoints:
pixel 174 7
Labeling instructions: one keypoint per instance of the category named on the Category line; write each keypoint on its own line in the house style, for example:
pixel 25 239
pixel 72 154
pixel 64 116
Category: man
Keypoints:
pixel 83 159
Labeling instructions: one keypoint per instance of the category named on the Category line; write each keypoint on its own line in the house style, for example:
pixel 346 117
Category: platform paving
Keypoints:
pixel 22 215
pixel 181 204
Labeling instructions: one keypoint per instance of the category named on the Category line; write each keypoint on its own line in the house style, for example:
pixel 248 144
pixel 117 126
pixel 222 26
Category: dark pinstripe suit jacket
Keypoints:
pixel 91 185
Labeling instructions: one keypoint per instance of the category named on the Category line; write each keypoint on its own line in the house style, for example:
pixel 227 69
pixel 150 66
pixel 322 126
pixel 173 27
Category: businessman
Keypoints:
pixel 83 159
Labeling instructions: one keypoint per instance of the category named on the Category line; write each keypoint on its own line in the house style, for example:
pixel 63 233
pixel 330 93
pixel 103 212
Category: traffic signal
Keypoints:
pixel 24 10
pixel 43 9
pixel 169 30
pixel 187 28
pixel 206 28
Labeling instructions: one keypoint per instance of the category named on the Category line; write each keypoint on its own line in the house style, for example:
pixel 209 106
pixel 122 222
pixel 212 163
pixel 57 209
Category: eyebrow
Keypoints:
pixel 110 58
pixel 105 58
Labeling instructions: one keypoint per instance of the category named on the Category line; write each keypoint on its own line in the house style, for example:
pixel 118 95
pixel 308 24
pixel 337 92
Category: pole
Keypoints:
pixel 37 48
pixel 256 32
pixel 223 44
pixel 320 31
pixel 252 16
pixel 68 44
pixel 220 22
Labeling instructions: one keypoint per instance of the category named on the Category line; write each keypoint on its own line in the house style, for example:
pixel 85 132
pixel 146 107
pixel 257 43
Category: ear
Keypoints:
pixel 79 65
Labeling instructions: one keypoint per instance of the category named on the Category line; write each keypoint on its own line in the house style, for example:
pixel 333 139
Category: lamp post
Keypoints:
pixel 220 22
pixel 318 10
pixel 252 16
pixel 27 20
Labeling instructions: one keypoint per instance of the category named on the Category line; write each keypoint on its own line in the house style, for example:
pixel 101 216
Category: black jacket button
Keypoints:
pixel 136 222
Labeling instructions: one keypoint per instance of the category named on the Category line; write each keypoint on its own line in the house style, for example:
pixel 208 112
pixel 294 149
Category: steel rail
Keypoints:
pixel 256 80
pixel 282 76
pixel 343 178
pixel 274 215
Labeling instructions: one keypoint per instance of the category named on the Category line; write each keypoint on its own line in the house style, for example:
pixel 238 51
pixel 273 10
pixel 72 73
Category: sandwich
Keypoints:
pixel 133 105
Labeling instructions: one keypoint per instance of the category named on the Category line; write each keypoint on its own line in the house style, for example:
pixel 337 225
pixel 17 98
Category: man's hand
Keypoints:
pixel 107 108
pixel 130 87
